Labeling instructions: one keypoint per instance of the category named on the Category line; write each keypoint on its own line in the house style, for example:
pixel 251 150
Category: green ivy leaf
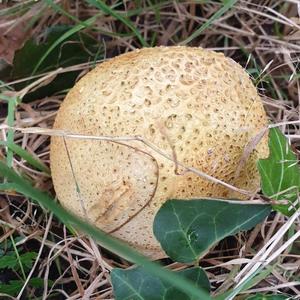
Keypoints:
pixel 280 176
pixel 187 229
pixel 137 284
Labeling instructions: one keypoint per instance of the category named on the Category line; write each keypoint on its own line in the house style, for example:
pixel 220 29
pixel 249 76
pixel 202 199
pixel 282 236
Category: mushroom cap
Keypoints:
pixel 194 105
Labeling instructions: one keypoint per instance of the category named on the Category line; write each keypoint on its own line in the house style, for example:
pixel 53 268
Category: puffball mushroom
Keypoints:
pixel 195 105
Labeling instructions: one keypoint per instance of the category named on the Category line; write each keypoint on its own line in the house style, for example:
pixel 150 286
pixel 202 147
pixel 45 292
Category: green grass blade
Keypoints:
pixel 4 97
pixel 60 10
pixel 12 103
pixel 28 157
pixel 107 10
pixel 18 257
pixel 7 186
pixel 105 240
pixel 254 280
pixel 227 4
pixel 244 286
pixel 17 8
pixel 70 32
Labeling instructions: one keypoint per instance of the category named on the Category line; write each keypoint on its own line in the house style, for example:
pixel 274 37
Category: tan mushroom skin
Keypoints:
pixel 195 105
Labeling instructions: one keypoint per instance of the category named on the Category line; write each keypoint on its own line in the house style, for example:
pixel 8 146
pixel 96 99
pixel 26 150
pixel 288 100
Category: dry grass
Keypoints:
pixel 263 36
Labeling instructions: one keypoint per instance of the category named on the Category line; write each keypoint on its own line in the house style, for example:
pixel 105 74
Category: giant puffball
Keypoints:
pixel 192 105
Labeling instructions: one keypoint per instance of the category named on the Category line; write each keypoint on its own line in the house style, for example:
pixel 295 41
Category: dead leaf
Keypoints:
pixel 12 38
